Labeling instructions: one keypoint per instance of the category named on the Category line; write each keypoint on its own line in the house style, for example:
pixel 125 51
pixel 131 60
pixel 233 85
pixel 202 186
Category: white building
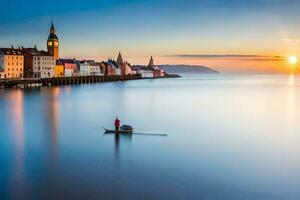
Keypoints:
pixel 84 69
pixel 145 73
pixel 95 70
pixel 43 64
pixel 11 63
pixel 89 68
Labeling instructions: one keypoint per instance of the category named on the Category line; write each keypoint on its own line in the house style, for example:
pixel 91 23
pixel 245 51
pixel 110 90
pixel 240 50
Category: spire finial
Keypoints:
pixel 52 29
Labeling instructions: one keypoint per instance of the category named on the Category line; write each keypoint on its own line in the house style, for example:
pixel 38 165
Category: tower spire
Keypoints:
pixel 120 59
pixel 151 62
pixel 52 29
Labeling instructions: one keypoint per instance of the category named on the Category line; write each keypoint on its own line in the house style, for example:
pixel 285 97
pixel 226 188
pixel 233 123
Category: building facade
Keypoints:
pixel 28 61
pixel 84 69
pixel 53 43
pixel 70 67
pixel 59 69
pixel 11 63
pixel 157 72
pixel 43 64
pixel 124 66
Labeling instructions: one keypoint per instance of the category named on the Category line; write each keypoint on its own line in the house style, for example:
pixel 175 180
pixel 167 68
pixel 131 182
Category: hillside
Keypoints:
pixel 182 69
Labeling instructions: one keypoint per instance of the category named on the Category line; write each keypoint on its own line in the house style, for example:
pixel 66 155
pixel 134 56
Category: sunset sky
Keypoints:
pixel 232 36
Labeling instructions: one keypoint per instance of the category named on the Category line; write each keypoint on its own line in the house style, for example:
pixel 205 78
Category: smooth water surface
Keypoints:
pixel 229 137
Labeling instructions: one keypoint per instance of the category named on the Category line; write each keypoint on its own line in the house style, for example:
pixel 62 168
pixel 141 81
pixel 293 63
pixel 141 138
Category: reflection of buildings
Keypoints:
pixel 18 171
pixel 52 121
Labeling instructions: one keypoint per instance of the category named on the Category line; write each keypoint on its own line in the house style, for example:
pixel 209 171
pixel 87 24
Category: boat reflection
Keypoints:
pixel 125 138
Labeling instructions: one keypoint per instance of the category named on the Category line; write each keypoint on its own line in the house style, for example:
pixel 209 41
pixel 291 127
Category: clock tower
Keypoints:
pixel 53 43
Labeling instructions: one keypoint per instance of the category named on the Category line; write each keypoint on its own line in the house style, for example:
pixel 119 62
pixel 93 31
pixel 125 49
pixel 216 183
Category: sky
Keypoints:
pixel 231 36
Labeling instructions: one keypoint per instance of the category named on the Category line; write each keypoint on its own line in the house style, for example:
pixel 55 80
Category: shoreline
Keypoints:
pixel 75 80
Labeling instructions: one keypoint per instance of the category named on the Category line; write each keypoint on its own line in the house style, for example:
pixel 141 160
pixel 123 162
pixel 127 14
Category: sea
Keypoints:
pixel 224 137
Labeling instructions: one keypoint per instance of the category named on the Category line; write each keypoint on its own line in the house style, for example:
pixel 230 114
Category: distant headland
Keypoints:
pixel 184 69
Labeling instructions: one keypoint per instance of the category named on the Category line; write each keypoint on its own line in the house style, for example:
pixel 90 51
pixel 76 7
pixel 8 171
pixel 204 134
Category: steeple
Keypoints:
pixel 120 59
pixel 52 34
pixel 52 29
pixel 151 62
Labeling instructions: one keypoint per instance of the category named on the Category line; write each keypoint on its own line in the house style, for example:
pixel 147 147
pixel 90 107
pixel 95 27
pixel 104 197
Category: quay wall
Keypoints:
pixel 33 82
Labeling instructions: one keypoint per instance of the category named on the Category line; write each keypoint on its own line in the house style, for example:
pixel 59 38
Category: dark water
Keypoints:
pixel 229 137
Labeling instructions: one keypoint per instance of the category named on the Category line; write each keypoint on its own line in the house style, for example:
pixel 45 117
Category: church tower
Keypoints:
pixel 120 59
pixel 151 62
pixel 53 43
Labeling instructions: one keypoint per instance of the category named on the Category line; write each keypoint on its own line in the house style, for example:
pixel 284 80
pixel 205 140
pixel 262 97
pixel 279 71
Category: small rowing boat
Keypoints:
pixel 128 130
pixel 123 130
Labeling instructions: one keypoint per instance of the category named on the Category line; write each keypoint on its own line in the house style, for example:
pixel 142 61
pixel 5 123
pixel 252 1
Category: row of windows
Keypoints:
pixel 11 75
pixel 17 63
pixel 44 63
pixel 43 58
pixel 15 69
pixel 15 57
pixel 43 68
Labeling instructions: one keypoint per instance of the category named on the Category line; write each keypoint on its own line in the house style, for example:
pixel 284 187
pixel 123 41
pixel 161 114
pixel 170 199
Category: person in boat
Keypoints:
pixel 117 123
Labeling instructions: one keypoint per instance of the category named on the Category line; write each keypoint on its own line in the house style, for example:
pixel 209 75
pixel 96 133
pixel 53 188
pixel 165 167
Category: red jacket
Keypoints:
pixel 117 122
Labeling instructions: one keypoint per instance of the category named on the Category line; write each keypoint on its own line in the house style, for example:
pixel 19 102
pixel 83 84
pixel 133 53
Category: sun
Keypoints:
pixel 293 60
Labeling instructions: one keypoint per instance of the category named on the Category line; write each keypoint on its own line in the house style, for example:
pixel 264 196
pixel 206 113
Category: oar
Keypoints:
pixel 154 134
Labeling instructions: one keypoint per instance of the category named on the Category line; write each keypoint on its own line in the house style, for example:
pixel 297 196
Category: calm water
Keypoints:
pixel 229 137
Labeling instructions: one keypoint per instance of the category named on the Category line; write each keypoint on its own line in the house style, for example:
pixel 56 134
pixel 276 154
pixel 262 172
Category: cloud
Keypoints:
pixel 231 56
pixel 290 40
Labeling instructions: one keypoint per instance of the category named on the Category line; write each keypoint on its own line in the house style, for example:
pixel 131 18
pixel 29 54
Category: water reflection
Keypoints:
pixel 52 106
pixel 212 150
pixel 125 138
pixel 17 124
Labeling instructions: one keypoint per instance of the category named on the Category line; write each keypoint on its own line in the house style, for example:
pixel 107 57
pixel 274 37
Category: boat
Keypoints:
pixel 125 129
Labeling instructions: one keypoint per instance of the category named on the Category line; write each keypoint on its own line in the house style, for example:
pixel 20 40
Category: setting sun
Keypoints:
pixel 293 60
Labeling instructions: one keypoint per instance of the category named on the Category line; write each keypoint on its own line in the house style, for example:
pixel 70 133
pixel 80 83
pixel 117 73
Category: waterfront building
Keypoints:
pixel 28 62
pixel 38 64
pixel 107 69
pixel 124 66
pixel 90 68
pixel 125 69
pixel 43 64
pixel 84 68
pixel 59 70
pixel 143 70
pixel 146 73
pixel 157 72
pixel 11 63
pixel 114 67
pixel 95 69
pixel 70 67
pixel 53 43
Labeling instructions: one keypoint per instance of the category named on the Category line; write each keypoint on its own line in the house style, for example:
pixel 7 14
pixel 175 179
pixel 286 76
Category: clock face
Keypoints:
pixel 50 43
pixel 56 44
